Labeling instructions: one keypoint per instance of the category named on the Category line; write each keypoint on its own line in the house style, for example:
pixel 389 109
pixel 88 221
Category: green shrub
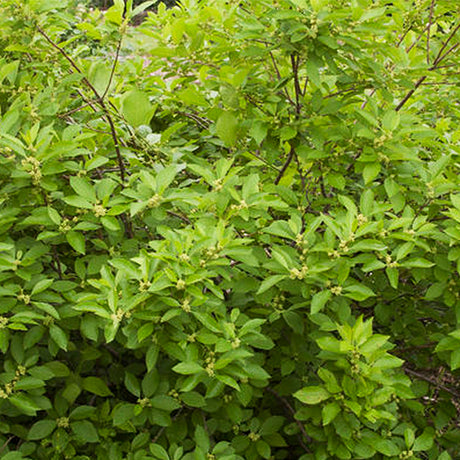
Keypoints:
pixel 108 3
pixel 231 232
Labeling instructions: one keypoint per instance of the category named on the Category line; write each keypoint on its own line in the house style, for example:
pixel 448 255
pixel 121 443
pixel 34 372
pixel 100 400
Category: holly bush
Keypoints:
pixel 232 232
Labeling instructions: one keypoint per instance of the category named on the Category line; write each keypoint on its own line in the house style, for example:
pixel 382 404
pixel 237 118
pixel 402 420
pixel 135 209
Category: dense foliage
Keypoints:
pixel 232 232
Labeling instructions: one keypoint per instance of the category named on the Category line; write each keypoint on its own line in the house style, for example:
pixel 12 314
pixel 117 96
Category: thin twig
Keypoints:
pixel 409 48
pixel 409 93
pixel 444 46
pixel 5 444
pixel 114 66
pixel 285 166
pixel 301 174
pixel 430 22
pixel 70 112
pixel 263 160
pixel 433 382
pixel 443 83
pixel 157 436
pixel 99 99
pixel 403 36
pixel 305 86
pixel 278 74
pixel 295 60
pixel 180 216
pixel 363 105
pixel 57 262
pixel 439 58
pixel 291 412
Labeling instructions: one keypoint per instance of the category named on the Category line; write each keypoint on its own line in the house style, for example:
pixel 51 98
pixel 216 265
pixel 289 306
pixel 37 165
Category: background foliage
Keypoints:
pixel 231 232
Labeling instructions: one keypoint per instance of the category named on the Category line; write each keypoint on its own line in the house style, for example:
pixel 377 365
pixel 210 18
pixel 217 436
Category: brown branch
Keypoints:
pixel 69 59
pixel 291 412
pixel 263 160
pixel 278 74
pixel 57 262
pixel 305 86
pixel 70 112
pixel 112 72
pixel 409 93
pixel 298 91
pixel 432 381
pixel 409 48
pixel 302 176
pixel 160 432
pixel 400 350
pixel 443 83
pixel 402 37
pixel 285 166
pixel 444 46
pixel 342 91
pixel 430 22
pixel 363 105
pixel 439 58
pixel 99 99
pixel 5 444
pixel 200 121
pixel 180 216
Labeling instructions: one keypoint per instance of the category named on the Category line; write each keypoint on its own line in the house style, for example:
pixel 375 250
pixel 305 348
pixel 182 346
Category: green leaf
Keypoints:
pixel 393 277
pixel 193 399
pixel 111 223
pixel 270 282
pixel 376 342
pixel 263 449
pixel 151 357
pixel 132 384
pixel 271 425
pixel 226 128
pixel 455 359
pixel 84 431
pixel 258 131
pixel 122 414
pixel 24 404
pixel 41 286
pixel 187 368
pixel 312 395
pixel 329 412
pixel 29 383
pixel 158 452
pixel 96 386
pixel 229 381
pixel 59 336
pixel 136 108
pixel 83 188
pixel 142 7
pixel 358 292
pixel 41 429
pixel 370 172
pixel 14 455
pixel 77 241
pixel 409 437
pixel 164 402
pixel 390 120
pixel 319 300
pixel 78 202
pixel 386 447
pixel 417 263
pixel 54 215
pixel 99 75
